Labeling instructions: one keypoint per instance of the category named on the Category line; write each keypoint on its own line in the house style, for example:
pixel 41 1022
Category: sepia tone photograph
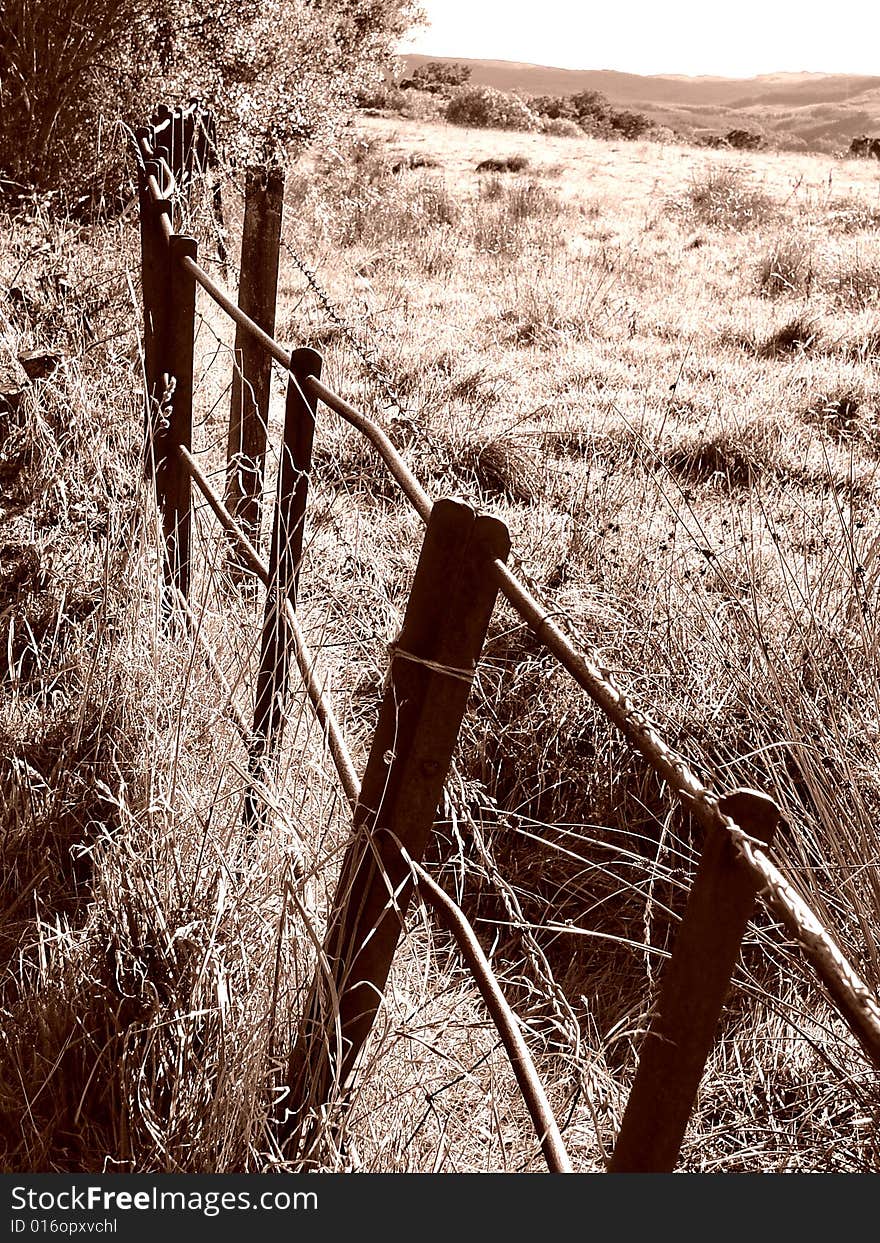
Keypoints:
pixel 439 590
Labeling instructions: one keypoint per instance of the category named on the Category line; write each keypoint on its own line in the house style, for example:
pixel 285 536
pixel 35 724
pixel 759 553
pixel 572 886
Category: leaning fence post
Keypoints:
pixel 173 484
pixel 429 681
pixel 284 562
pixel 257 289
pixel 695 984
pixel 154 285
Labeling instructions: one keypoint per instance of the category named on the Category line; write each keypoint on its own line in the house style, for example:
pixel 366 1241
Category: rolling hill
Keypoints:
pixel 818 111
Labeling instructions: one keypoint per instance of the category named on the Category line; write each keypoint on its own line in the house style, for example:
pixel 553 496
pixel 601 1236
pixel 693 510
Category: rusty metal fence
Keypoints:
pixel 461 569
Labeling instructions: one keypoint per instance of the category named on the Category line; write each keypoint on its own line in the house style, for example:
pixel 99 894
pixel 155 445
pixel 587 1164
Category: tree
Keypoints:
pixel 439 77
pixel 276 72
pixel 60 66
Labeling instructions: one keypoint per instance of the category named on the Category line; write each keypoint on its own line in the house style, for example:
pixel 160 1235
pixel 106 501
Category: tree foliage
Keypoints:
pixel 275 71
pixel 593 112
pixel 438 77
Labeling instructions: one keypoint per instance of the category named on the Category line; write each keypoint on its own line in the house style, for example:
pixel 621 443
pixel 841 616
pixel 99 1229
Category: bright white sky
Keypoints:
pixel 738 39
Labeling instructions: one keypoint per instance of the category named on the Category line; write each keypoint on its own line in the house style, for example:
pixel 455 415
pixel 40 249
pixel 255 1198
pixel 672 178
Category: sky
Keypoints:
pixel 737 39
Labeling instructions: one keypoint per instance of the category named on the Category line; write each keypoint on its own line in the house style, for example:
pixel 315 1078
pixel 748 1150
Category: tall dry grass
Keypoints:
pixel 687 466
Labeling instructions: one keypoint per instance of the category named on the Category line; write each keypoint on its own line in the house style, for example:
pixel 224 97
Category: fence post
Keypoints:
pixel 173 484
pixel 695 984
pixel 154 284
pixel 284 563
pixel 257 289
pixel 429 681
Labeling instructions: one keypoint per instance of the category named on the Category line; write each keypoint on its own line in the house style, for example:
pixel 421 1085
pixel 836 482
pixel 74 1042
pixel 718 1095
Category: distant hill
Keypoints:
pixel 821 111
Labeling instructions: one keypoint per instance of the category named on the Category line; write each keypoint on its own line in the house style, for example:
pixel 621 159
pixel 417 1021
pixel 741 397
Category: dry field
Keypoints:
pixel 660 366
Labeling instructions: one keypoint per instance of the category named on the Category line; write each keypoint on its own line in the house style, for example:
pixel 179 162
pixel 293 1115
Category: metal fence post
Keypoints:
pixel 257 290
pixel 284 563
pixel 429 681
pixel 695 984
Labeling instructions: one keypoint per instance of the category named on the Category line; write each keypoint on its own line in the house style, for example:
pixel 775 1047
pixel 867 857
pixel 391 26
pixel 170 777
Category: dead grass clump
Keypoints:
pixel 492 188
pixel 413 161
pixel 853 279
pixel 852 216
pixel 723 198
pixel 379 216
pixel 572 827
pixel 787 268
pixel 433 204
pixel 529 200
pixel 506 215
pixel 504 164
pixel 349 467
pixel 843 416
pixel 863 344
pixel 796 336
pixel 731 458
pixel 61 1051
pixel 496 467
pixel 26 448
pixel 502 467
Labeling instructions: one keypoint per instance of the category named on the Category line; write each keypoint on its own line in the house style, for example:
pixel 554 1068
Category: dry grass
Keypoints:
pixel 688 468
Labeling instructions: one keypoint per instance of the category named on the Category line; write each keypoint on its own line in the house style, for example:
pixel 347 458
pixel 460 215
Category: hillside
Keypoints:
pixel 820 111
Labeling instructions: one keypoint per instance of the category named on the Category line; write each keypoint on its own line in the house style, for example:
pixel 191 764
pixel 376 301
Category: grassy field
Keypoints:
pixel 660 367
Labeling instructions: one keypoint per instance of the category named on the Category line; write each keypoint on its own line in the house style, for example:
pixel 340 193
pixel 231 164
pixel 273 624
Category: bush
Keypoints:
pixel 629 125
pixel 554 107
pixel 485 108
pixel 744 140
pixel 561 127
pixel 416 105
pixel 503 164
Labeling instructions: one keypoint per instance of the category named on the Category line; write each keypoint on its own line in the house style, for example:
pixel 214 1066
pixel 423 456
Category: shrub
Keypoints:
pixel 744 140
pixel 561 127
pixel 485 108
pixel 416 105
pixel 591 104
pixel 630 124
pixel 553 107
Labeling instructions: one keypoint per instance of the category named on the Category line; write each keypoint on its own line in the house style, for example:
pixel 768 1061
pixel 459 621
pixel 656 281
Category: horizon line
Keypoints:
pixel 632 73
